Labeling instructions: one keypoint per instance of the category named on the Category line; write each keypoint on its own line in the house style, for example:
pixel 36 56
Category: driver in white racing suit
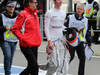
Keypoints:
pixel 57 50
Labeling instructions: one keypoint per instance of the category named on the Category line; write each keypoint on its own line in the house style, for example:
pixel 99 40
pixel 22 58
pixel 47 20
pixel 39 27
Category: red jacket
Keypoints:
pixel 27 28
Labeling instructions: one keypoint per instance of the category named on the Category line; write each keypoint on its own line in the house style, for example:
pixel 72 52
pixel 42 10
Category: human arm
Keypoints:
pixel 2 28
pixel 88 38
pixel 47 32
pixel 95 8
pixel 66 23
pixel 18 26
pixel 47 25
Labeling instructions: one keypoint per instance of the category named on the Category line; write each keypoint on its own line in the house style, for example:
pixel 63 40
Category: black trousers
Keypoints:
pixel 30 54
pixel 81 55
pixel 93 24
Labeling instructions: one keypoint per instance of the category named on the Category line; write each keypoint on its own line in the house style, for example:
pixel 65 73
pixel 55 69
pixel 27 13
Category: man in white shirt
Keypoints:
pixel 59 55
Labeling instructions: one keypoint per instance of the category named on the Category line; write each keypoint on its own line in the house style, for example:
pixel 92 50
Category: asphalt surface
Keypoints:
pixel 92 67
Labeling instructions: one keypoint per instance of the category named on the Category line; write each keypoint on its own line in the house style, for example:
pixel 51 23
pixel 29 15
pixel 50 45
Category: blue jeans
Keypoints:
pixel 8 49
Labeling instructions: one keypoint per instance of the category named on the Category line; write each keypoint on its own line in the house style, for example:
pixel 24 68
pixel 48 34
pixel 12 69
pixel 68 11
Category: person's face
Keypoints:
pixel 79 10
pixel 33 5
pixel 10 9
pixel 58 3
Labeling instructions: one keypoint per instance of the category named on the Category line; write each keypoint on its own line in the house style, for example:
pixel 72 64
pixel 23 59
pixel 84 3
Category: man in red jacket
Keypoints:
pixel 27 30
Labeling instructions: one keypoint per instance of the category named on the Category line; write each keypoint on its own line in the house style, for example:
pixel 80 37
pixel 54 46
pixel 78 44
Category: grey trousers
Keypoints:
pixel 58 60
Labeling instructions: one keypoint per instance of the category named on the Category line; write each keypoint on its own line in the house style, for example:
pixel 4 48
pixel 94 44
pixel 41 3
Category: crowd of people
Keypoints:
pixel 25 28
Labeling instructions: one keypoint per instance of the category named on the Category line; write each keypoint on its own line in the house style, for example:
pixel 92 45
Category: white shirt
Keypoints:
pixel 54 20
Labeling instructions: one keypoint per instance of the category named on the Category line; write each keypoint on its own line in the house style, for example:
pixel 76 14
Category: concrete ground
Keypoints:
pixel 95 48
pixel 92 67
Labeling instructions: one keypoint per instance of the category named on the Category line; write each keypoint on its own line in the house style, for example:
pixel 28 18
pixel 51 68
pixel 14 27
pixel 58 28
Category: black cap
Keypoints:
pixel 11 3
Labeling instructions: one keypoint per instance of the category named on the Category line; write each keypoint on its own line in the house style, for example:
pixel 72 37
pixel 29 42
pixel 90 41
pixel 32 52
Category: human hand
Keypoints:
pixel 94 11
pixel 89 47
pixel 50 44
pixel 8 28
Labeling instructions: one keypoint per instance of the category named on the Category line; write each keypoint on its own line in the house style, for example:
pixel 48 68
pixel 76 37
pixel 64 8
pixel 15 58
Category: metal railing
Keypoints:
pixel 42 27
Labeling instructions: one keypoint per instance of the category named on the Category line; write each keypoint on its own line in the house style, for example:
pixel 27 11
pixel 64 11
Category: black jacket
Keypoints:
pixel 88 36
pixel 2 28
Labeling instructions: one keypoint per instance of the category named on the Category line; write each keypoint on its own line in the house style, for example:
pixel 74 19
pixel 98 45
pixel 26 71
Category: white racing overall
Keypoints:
pixel 58 58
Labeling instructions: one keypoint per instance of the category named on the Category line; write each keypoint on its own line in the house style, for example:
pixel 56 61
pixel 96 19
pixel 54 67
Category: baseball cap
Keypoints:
pixel 11 3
